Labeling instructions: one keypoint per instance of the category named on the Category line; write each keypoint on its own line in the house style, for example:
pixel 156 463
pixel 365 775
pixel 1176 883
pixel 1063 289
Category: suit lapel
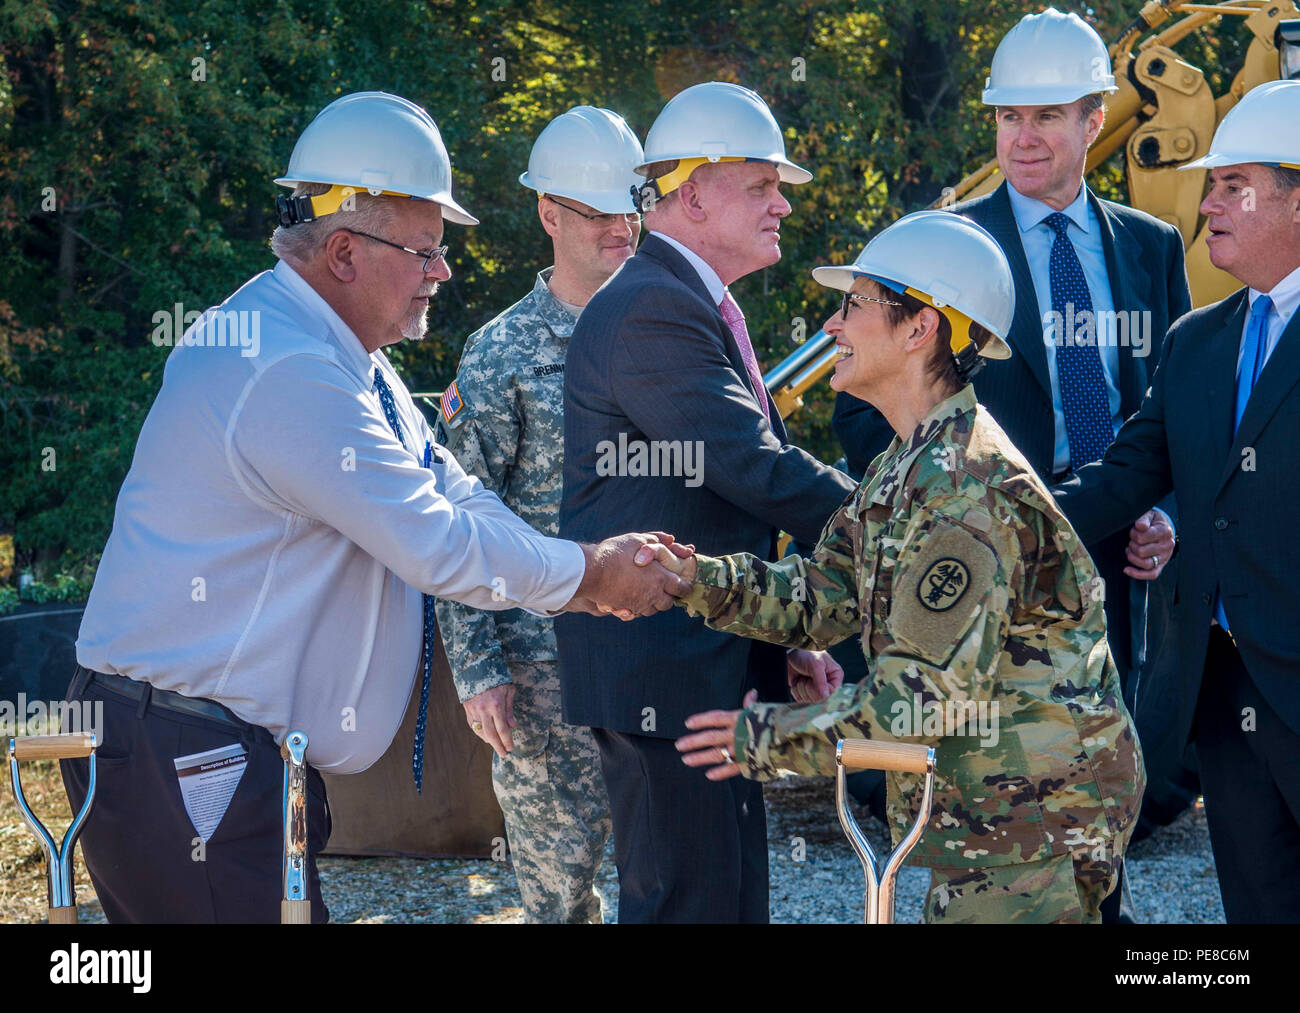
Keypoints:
pixel 1280 374
pixel 1026 335
pixel 1220 354
pixel 656 249
pixel 1130 287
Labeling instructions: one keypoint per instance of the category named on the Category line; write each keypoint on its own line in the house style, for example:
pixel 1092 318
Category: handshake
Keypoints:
pixel 634 575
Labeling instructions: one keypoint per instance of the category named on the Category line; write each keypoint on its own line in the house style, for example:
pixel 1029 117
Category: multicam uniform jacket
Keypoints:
pixel 503 419
pixel 973 595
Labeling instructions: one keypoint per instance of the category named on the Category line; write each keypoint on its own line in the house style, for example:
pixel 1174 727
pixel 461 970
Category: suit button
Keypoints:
pixel 1205 598
pixel 1221 524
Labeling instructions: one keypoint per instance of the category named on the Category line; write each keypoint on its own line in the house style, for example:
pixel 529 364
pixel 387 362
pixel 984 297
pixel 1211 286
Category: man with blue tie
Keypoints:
pixel 1220 427
pixel 1097 285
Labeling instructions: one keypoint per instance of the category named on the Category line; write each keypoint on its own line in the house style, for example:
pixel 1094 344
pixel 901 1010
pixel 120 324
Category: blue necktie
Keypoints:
pixel 430 619
pixel 1079 375
pixel 1252 362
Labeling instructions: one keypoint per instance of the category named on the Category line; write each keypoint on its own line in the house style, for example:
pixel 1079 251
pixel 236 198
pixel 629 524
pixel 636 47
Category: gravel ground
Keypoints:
pixel 1171 874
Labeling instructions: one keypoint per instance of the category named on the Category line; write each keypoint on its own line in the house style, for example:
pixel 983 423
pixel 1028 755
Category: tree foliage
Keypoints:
pixel 138 142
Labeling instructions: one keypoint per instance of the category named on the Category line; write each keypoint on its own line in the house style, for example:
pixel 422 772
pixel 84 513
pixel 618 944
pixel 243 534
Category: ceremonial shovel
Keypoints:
pixel 295 908
pixel 58 858
pixel 865 754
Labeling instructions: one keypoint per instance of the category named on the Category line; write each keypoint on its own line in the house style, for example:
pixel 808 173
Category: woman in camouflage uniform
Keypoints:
pixel 980 610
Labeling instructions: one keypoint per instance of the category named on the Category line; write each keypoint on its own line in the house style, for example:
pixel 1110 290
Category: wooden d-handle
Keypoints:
pixel 54 747
pixel 867 754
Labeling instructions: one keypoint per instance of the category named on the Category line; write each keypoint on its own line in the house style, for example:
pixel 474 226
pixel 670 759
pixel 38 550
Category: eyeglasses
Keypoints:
pixel 852 300
pixel 631 218
pixel 429 256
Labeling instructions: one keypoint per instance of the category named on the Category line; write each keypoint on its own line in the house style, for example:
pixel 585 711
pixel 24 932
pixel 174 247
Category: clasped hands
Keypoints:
pixel 634 575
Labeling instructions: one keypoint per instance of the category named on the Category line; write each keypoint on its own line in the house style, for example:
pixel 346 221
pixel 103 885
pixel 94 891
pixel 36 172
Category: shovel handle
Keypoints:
pixel 63 915
pixel 867 754
pixel 295 912
pixel 54 747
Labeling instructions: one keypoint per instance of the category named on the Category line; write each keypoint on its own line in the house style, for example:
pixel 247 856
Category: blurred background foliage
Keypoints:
pixel 138 141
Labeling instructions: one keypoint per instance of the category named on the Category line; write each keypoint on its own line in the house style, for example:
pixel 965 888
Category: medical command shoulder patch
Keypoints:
pixel 941 579
pixel 451 402
pixel 943 584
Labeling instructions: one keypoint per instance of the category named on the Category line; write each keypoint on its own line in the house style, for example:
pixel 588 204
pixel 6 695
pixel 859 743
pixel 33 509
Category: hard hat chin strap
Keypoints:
pixel 302 209
pixel 648 194
pixel 965 353
pixel 957 320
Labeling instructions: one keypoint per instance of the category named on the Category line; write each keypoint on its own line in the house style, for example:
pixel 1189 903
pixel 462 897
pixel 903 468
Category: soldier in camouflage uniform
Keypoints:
pixel 503 420
pixel 973 595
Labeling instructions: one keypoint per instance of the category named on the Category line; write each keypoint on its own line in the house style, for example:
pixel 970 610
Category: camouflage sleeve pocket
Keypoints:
pixel 939 589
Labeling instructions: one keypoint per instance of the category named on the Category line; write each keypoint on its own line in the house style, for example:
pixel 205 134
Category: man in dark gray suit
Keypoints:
pixel 1229 449
pixel 666 417
pixel 1097 286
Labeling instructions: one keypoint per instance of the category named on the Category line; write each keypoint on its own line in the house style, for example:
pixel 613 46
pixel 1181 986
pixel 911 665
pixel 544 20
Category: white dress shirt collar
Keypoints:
pixel 1030 212
pixel 707 274
pixel 353 353
pixel 1285 295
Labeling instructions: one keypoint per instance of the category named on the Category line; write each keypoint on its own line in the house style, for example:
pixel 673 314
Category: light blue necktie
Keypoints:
pixel 1084 397
pixel 430 619
pixel 1252 362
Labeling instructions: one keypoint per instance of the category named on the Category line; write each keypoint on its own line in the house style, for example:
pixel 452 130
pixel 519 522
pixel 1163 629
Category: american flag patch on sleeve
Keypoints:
pixel 451 402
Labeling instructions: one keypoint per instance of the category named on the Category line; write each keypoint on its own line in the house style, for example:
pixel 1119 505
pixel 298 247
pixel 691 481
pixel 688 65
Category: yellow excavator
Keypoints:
pixel 1164 115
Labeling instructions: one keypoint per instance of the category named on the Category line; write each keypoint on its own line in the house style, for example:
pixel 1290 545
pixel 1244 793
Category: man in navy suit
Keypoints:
pixel 1220 427
pixel 666 418
pixel 1097 286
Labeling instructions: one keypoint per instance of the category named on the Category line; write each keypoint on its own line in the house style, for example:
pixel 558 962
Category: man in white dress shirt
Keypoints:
pixel 280 535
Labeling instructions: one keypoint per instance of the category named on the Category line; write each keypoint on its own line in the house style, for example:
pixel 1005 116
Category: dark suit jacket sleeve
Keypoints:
pixel 1179 303
pixel 1110 494
pixel 862 431
pixel 671 377
pixel 1180 295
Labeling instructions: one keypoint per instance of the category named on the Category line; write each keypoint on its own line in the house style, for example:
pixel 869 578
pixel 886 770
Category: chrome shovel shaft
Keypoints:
pixel 58 857
pixel 862 754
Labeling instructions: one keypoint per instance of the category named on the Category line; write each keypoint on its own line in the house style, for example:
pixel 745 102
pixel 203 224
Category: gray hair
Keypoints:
pixel 1284 179
pixel 303 241
pixel 1089 104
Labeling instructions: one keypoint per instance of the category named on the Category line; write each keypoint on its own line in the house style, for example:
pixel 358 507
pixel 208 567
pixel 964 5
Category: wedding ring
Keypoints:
pixel 726 755
pixel 476 726
pixel 1155 562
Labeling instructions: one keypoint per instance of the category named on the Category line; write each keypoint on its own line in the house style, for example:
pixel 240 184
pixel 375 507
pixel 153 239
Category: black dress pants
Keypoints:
pixel 1250 776
pixel 145 858
pixel 688 849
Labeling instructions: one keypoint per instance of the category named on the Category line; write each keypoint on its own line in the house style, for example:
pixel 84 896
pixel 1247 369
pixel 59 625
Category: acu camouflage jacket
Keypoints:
pixel 503 419
pixel 982 622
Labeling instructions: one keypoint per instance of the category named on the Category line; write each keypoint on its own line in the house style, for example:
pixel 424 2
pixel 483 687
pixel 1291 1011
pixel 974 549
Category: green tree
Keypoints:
pixel 139 141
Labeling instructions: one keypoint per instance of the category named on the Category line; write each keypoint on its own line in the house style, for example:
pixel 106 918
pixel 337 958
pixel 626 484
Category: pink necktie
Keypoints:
pixel 736 321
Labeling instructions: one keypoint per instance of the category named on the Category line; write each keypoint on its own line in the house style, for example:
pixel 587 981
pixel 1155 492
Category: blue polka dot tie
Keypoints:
pixel 1252 361
pixel 1078 366
pixel 421 720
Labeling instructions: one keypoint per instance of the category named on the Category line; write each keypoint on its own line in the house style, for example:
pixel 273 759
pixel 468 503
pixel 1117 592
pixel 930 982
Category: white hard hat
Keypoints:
pixel 378 142
pixel 715 122
pixel 947 261
pixel 1255 129
pixel 1048 59
pixel 588 155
